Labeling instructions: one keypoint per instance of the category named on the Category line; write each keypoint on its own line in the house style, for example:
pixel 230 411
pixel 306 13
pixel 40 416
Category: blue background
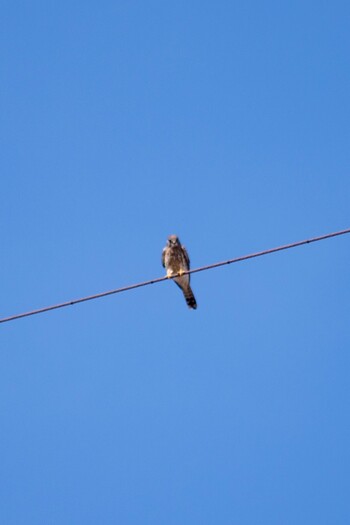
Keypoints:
pixel 226 123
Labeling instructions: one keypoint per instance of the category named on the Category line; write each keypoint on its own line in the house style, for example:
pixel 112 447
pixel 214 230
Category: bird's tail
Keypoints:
pixel 190 299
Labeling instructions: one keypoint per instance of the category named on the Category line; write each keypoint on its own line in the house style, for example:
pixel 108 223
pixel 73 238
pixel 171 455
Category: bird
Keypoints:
pixel 176 261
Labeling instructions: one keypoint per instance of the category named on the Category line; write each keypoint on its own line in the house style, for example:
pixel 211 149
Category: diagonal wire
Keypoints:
pixel 160 279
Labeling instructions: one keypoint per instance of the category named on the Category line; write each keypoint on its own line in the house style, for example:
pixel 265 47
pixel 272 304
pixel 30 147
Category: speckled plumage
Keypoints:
pixel 175 260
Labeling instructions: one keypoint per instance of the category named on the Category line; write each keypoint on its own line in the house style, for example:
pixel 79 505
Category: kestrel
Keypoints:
pixel 176 261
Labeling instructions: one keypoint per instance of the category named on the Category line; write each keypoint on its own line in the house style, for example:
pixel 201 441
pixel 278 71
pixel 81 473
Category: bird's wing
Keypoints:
pixel 186 256
pixel 163 257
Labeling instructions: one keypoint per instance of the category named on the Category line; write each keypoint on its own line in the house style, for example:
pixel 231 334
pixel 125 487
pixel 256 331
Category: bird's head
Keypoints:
pixel 173 240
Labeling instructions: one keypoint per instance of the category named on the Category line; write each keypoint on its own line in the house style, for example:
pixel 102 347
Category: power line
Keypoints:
pixel 160 279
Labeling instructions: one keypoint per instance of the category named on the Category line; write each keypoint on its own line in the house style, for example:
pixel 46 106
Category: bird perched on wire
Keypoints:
pixel 176 261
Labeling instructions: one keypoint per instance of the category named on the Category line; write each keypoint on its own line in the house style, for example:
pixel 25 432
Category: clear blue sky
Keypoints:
pixel 226 123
